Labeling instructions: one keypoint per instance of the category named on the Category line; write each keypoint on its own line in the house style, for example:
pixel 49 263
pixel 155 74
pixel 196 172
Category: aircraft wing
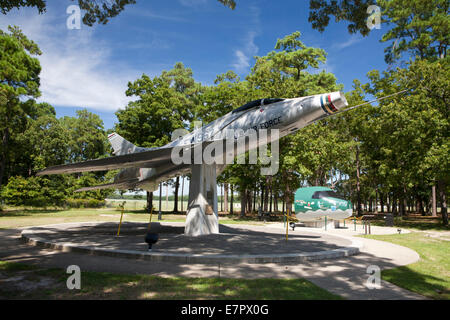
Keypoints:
pixel 146 159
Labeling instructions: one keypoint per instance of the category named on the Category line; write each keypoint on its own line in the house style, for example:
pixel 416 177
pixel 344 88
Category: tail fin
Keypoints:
pixel 120 145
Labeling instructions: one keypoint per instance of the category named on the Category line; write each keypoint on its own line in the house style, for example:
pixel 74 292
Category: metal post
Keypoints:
pixel 354 222
pixel 121 216
pixel 150 222
pixel 325 223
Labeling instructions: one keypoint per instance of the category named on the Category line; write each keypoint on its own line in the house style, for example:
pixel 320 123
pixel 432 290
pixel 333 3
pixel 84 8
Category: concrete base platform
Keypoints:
pixel 234 243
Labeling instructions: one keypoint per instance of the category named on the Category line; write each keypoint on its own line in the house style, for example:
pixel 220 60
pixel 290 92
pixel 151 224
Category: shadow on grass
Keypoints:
pixel 27 212
pixel 109 285
pixel 427 285
pixel 102 285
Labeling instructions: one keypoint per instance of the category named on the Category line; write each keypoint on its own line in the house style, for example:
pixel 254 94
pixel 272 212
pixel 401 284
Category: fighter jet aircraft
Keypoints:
pixel 243 129
pixel 144 168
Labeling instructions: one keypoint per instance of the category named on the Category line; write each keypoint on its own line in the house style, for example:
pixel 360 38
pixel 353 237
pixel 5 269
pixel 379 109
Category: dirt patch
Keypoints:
pixel 24 283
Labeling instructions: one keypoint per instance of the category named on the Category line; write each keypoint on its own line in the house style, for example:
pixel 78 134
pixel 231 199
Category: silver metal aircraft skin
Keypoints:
pixel 144 168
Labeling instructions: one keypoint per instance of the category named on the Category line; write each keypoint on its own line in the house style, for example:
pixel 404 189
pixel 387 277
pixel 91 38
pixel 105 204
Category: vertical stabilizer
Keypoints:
pixel 120 145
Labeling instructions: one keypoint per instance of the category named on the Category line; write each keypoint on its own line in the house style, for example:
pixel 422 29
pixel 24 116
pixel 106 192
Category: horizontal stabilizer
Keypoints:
pixel 146 159
pixel 122 185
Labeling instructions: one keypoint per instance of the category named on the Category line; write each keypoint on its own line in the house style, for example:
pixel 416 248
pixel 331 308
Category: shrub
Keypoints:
pixel 43 192
pixel 32 191
pixel 84 203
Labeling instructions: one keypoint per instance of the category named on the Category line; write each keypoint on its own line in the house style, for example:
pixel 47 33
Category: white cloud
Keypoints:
pixel 148 14
pixel 192 3
pixel 249 49
pixel 242 62
pixel 243 56
pixel 353 39
pixel 77 68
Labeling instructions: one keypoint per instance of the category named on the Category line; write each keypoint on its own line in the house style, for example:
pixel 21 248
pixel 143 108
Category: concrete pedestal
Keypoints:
pixel 202 214
pixel 320 224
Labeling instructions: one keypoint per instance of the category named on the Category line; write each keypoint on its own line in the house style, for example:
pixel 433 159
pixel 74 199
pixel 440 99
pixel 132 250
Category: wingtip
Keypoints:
pixel 40 173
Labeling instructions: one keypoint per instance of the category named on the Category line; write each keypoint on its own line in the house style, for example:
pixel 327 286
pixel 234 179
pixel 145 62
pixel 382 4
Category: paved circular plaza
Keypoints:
pixel 235 243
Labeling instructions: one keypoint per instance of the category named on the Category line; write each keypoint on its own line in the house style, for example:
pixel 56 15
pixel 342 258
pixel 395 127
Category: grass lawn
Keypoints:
pixel 29 282
pixel 430 276
pixel 417 222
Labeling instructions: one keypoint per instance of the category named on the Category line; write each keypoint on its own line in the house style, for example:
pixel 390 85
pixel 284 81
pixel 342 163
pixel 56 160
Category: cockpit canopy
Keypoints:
pixel 257 103
pixel 327 194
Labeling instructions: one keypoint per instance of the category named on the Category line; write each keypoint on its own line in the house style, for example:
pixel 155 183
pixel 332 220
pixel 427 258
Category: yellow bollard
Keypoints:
pixel 121 216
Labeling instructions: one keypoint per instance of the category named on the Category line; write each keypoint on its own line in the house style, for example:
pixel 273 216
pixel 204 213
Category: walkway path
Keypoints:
pixel 345 276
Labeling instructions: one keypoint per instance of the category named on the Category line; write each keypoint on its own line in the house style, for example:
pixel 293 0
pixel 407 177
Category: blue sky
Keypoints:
pixel 90 68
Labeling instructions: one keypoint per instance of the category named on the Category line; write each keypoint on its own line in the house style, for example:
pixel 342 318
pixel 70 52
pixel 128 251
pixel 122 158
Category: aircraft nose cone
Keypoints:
pixel 338 100
pixel 332 102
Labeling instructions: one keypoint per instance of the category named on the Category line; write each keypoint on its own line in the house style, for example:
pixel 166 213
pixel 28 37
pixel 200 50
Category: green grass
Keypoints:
pixel 100 285
pixel 430 276
pixel 417 222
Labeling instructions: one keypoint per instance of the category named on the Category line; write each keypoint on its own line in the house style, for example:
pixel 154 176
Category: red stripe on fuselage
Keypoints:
pixel 331 103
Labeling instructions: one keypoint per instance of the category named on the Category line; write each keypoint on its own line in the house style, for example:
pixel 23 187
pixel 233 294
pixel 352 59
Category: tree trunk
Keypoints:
pixel 421 207
pixel 254 196
pixel 262 198
pixel 376 201
pixel 160 197
pixel 5 144
pixel 231 200
pixel 405 201
pixel 243 202
pixel 221 199
pixel 182 193
pixel 271 200
pixel 443 199
pixel 149 201
pixel 249 201
pixel 225 195
pixel 394 205
pixel 177 187
pixel 358 186
pixel 434 207
pixel 288 200
pixel 266 195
